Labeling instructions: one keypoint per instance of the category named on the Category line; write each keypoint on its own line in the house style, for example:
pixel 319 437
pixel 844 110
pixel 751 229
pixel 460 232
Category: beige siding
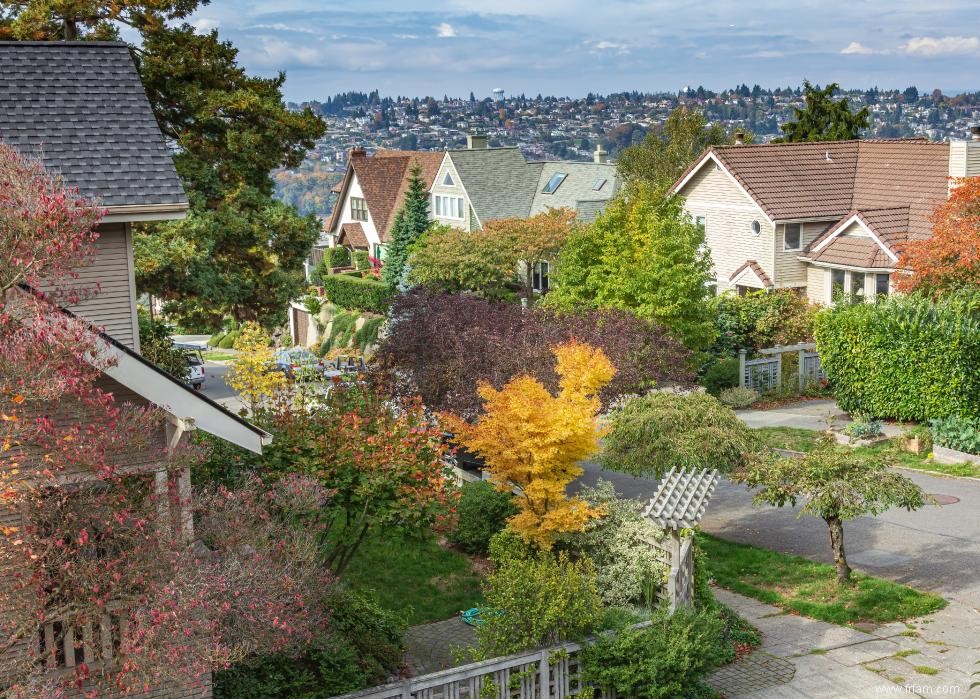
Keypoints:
pixel 469 221
pixel 816 284
pixel 729 213
pixel 113 308
pixel 964 159
pixel 790 272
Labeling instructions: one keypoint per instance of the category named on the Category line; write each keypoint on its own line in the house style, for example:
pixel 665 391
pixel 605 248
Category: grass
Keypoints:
pixel 218 355
pixel 808 588
pixel 926 670
pixel 796 439
pixel 414 576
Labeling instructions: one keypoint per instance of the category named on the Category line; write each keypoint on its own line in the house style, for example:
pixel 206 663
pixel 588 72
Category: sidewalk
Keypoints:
pixel 801 657
pixel 816 415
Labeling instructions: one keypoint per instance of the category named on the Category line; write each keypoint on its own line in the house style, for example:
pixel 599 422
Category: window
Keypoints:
pixel 358 209
pixel 448 207
pixel 881 285
pixel 448 180
pixel 756 228
pixel 701 222
pixel 599 182
pixel 838 278
pixel 554 183
pixel 539 279
pixel 857 284
pixel 792 236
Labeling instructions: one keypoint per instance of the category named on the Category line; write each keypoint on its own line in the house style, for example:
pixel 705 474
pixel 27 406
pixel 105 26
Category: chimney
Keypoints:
pixel 964 156
pixel 600 156
pixel 358 152
pixel 739 138
pixel 476 141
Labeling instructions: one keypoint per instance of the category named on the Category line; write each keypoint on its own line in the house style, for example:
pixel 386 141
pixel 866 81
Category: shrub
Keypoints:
pixel 341 332
pixel 228 341
pixel 536 602
pixel 761 319
pixel 863 427
pixel 670 658
pixel 720 375
pixel 482 512
pixel 628 569
pixel 739 397
pixel 215 340
pixel 338 256
pixel 907 358
pixel 358 294
pixel 368 334
pixel 441 346
pixel 661 431
pixel 961 434
pixel 362 260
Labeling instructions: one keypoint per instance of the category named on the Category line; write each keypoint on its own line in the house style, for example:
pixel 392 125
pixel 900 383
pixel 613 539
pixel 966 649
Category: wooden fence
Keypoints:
pixel 765 374
pixel 67 643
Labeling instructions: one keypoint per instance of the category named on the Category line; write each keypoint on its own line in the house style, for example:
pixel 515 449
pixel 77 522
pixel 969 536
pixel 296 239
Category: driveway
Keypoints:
pixel 217 390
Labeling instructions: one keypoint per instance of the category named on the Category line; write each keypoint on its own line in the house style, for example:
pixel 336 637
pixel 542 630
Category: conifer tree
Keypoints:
pixel 823 119
pixel 411 221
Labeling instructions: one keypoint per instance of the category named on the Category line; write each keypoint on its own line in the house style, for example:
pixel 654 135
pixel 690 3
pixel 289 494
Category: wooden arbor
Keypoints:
pixel 678 507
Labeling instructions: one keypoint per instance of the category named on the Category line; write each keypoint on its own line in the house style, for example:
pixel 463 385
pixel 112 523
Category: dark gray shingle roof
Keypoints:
pixel 498 181
pixel 80 107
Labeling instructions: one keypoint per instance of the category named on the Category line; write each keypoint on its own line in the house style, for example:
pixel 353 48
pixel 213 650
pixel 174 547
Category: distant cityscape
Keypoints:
pixel 563 128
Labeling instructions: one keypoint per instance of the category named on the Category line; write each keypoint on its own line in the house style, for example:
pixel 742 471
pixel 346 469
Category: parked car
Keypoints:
pixel 195 364
pixel 299 364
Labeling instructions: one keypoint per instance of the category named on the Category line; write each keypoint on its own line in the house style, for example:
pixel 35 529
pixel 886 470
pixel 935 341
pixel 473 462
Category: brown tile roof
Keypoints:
pixel 353 234
pixel 383 178
pixel 798 180
pixel 854 251
pixel 891 225
pixel 755 267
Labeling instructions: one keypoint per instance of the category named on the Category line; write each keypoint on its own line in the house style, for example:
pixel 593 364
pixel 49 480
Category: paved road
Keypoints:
pixel 217 390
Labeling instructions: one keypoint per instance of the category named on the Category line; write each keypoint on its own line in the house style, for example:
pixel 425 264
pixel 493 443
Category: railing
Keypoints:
pixel 64 644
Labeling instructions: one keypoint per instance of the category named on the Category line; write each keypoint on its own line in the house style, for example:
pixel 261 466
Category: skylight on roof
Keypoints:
pixel 554 183
pixel 599 182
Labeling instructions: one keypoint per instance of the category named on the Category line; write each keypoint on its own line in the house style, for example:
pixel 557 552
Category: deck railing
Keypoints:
pixel 66 643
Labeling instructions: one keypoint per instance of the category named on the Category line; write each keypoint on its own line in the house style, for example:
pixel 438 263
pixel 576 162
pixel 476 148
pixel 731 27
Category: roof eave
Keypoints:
pixel 146 212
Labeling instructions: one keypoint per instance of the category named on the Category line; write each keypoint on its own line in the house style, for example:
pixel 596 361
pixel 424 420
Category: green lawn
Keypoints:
pixel 798 439
pixel 414 575
pixel 217 355
pixel 800 585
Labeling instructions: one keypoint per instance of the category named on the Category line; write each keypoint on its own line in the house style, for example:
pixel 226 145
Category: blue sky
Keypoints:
pixel 572 47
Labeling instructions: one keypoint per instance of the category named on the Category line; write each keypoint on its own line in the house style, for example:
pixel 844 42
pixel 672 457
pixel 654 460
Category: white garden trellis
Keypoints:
pixel 555 673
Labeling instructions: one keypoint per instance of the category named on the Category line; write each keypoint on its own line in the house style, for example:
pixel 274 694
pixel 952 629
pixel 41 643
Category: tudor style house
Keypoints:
pixel 824 217
pixel 371 192
pixel 477 184
pixel 80 107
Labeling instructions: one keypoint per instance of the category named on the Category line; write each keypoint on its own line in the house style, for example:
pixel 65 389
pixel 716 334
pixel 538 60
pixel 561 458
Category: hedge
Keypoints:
pixel 358 294
pixel 906 358
pixel 337 256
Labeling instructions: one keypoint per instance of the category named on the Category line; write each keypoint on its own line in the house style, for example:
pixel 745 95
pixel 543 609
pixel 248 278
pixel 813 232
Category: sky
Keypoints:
pixel 573 47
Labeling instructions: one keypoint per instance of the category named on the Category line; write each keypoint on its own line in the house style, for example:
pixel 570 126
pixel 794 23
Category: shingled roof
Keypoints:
pixel 498 181
pixel 81 108
pixel 383 178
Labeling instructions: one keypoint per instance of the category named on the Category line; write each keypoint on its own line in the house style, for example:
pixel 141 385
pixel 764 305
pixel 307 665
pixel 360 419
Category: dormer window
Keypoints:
pixel 599 183
pixel 554 183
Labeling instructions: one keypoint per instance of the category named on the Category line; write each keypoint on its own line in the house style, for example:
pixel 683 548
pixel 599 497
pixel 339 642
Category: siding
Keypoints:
pixel 369 230
pixel 790 272
pixel 816 284
pixel 964 159
pixel 729 213
pixel 114 307
pixel 469 221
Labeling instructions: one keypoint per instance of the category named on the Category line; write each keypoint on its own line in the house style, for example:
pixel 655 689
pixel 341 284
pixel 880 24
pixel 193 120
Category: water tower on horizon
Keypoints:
pixel 498 94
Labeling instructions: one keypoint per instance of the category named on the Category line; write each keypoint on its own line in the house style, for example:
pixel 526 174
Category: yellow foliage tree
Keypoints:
pixel 250 373
pixel 532 439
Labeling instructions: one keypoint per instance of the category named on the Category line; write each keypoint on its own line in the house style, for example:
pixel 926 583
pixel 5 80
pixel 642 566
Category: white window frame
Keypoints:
pixel 889 277
pixel 799 244
pixel 541 271
pixel 359 210
pixel 448 206
pixel 848 283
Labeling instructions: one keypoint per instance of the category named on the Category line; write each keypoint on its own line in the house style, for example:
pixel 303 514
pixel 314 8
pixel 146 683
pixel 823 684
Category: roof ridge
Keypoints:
pixel 62 44
pixel 922 140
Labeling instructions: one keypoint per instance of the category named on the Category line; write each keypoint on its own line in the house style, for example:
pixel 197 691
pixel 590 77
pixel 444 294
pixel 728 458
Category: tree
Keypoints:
pixel 528 241
pixel 411 222
pixel 823 119
pixel 251 374
pixel 667 151
pixel 949 260
pixel 532 440
pixel 645 255
pixel 833 484
pixel 441 347
pixel 157 345
pixel 452 260
pixel 239 252
pixel 92 536
pixel 652 434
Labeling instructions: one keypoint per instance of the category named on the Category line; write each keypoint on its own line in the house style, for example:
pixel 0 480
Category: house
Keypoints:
pixel 371 192
pixel 80 108
pixel 821 217
pixel 477 184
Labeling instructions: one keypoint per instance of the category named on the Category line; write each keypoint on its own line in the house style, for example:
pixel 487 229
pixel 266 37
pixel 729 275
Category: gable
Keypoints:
pixel 709 184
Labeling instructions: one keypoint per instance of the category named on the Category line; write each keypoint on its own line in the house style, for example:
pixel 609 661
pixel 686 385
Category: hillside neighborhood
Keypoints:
pixel 637 395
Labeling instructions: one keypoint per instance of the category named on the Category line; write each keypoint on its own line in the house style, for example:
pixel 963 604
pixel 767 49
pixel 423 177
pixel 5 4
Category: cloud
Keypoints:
pixel 280 27
pixel 941 45
pixel 445 30
pixel 856 48
pixel 609 47
pixel 406 36
pixel 205 24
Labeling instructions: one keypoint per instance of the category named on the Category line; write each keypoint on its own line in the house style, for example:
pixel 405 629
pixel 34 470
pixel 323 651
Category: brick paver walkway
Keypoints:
pixel 430 646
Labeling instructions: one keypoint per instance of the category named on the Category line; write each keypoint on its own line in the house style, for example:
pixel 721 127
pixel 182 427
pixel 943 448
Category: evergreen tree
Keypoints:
pixel 411 221
pixel 823 119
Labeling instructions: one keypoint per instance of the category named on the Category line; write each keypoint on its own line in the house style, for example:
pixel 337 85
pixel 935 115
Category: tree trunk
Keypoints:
pixel 529 283
pixel 837 545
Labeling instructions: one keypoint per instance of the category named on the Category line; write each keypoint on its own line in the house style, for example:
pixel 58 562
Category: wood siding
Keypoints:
pixel 114 307
pixel 729 213
pixel 469 221
pixel 790 272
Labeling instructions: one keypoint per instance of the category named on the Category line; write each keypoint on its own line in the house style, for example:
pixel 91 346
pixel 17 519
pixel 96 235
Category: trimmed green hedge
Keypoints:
pixel 906 358
pixel 337 256
pixel 357 294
